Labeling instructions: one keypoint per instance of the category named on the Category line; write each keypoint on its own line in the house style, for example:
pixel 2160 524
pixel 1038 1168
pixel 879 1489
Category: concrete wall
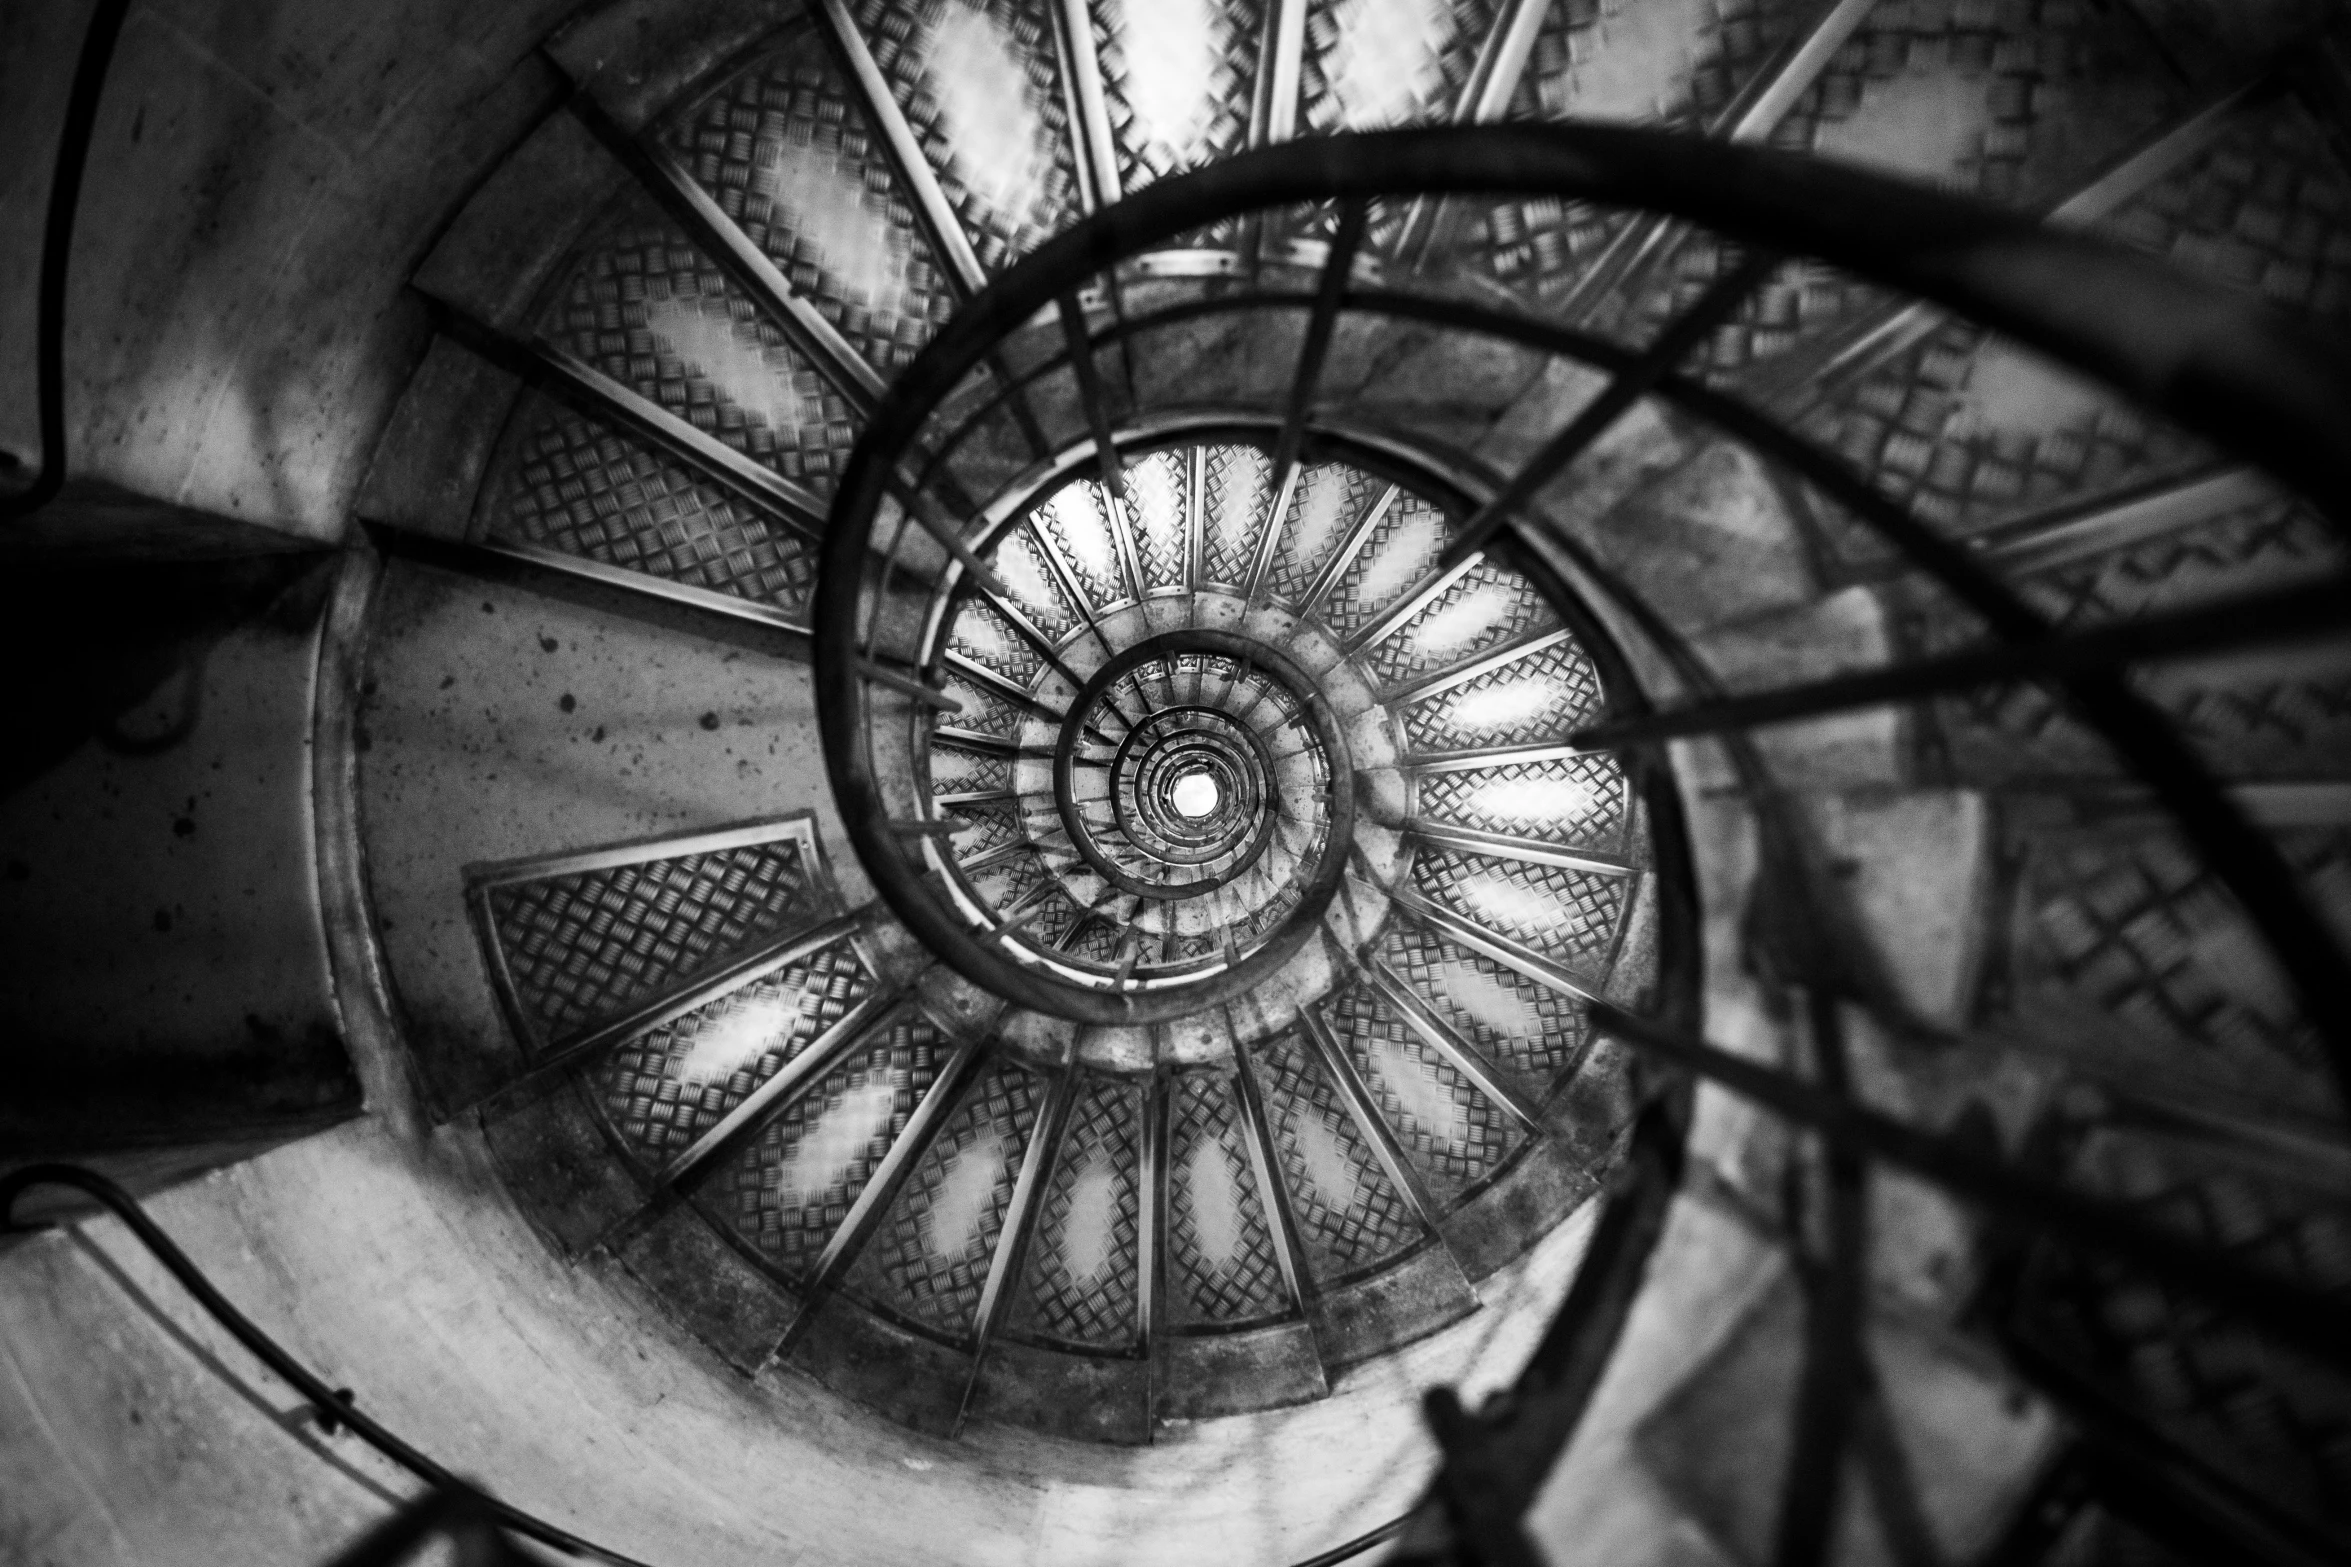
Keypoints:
pixel 262 179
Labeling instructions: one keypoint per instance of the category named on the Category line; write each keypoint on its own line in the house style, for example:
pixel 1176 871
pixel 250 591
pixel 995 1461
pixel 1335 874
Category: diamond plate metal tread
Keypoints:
pixel 1369 64
pixel 957 771
pixel 929 1260
pixel 1529 700
pixel 1078 522
pixel 978 83
pixel 2249 718
pixel 1520 1027
pixel 790 1188
pixel 563 483
pixel 1008 885
pixel 1568 916
pixel 2127 929
pixel 2267 209
pixel 1221 1263
pixel 1489 607
pixel 1967 430
pixel 1350 1216
pixel 1190 105
pixel 1592 61
pixel 583 947
pixel 1157 486
pixel 983 710
pixel 2016 102
pixel 663 1089
pixel 785 150
pixel 1081 1274
pixel 987 638
pixel 1036 593
pixel 1398 557
pixel 988 828
pixel 1238 493
pixel 1327 502
pixel 1098 942
pixel 645 306
pixel 2275 1421
pixel 1455 1137
pixel 1575 801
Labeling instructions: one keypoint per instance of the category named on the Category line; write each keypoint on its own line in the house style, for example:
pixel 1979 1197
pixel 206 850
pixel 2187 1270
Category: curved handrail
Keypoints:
pixel 453 1504
pixel 2234 369
pixel 65 191
pixel 274 1355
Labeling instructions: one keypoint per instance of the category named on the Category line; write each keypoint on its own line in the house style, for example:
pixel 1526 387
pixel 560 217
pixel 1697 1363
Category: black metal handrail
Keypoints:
pixel 2225 368
pixel 470 1518
pixel 331 1403
pixel 2229 368
pixel 65 193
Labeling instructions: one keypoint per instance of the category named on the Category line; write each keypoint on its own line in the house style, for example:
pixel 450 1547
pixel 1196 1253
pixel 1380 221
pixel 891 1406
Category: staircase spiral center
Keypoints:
pixel 1195 794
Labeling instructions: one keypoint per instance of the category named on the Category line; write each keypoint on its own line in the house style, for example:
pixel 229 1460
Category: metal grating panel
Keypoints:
pixel 1576 801
pixel 1081 1267
pixel 2014 103
pixel 584 947
pixel 977 81
pixel 1155 513
pixel 1487 608
pixel 1349 1214
pixel 2273 717
pixel 1325 505
pixel 786 151
pixel 955 770
pixel 1221 1261
pixel 1567 916
pixel 1376 63
pixel 1620 64
pixel 2270 1418
pixel 987 638
pixel 1177 80
pixel 1966 430
pixel 1098 942
pixel 1078 521
pixel 1005 886
pixel 1036 592
pixel 791 1188
pixel 987 827
pixel 983 710
pixel 2130 926
pixel 2268 209
pixel 1520 1026
pixel 1449 1130
pixel 1239 494
pixel 929 1261
pixel 1399 556
pixel 1541 697
pixel 647 308
pixel 566 484
pixel 665 1088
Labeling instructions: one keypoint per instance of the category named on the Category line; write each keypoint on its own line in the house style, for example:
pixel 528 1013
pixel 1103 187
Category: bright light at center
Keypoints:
pixel 1195 794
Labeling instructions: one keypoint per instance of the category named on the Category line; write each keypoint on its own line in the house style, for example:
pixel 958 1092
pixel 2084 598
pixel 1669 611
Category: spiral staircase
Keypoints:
pixel 1349 676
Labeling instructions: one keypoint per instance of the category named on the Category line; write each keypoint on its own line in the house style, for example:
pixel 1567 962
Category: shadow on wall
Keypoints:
pixel 165 998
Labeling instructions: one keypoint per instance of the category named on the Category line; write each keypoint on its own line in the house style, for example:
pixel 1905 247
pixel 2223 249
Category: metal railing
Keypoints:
pixel 2224 368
